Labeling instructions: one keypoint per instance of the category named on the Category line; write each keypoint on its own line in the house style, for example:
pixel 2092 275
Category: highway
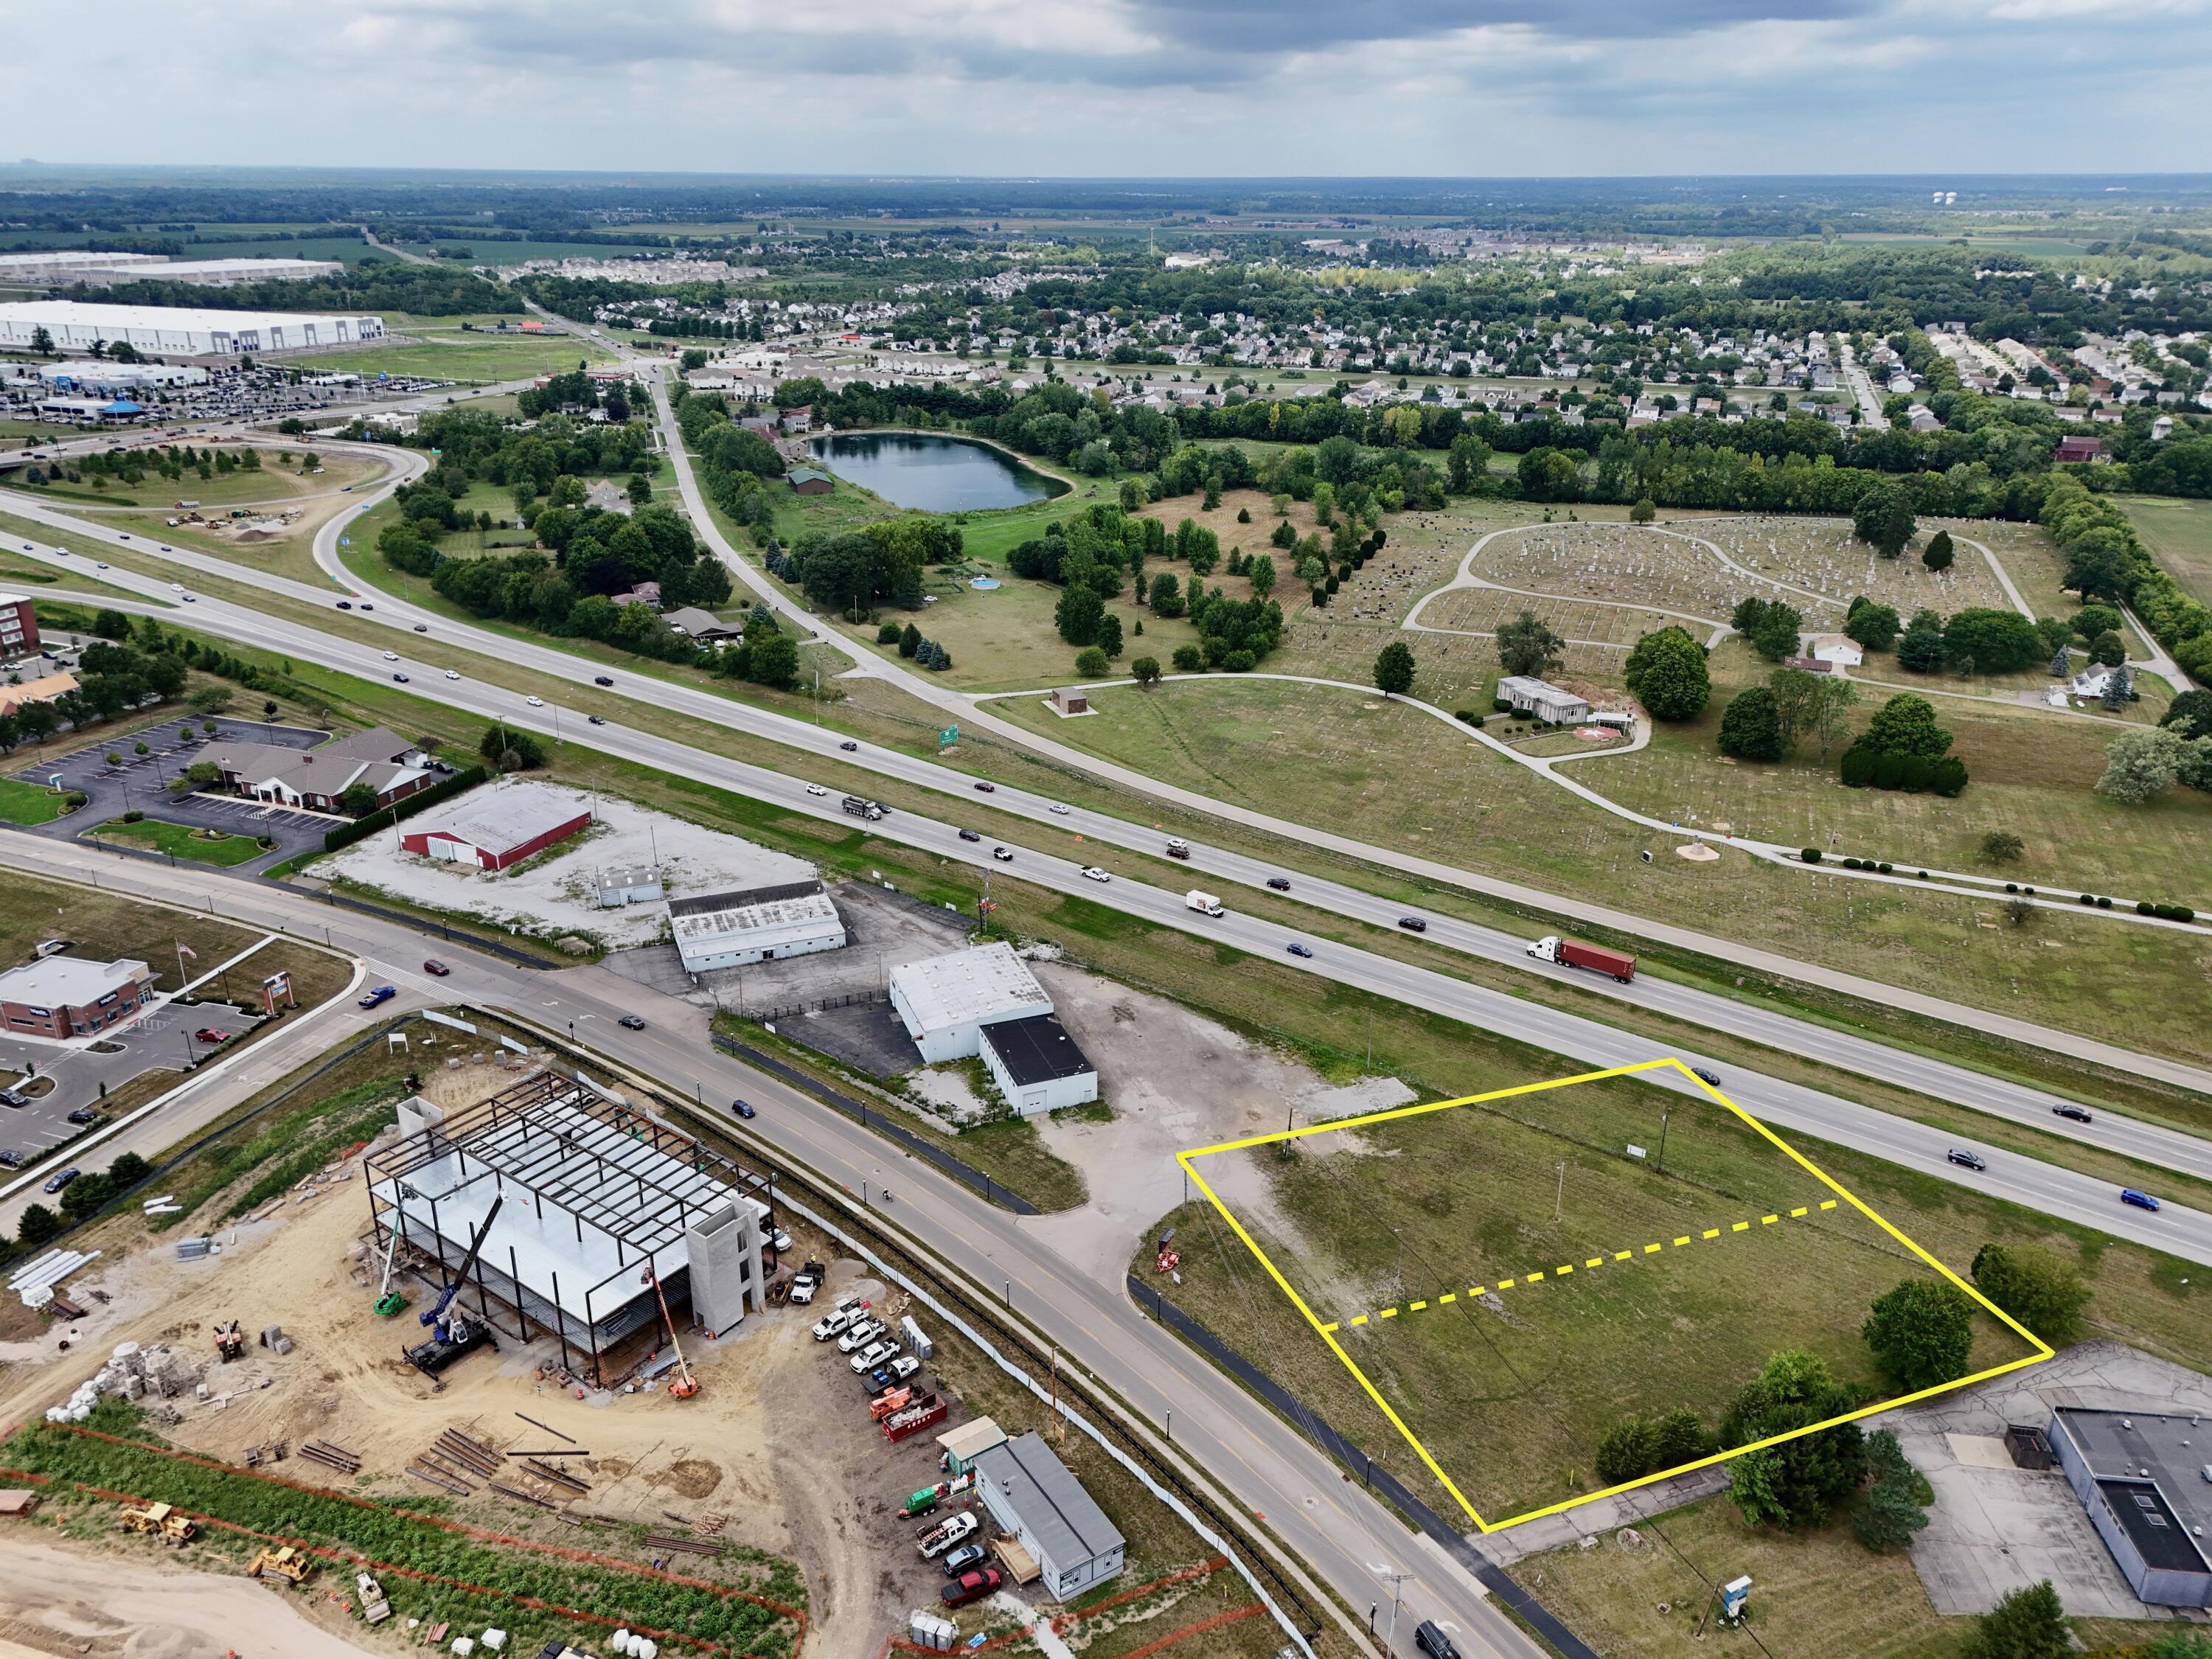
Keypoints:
pixel 1327 1522
pixel 425 658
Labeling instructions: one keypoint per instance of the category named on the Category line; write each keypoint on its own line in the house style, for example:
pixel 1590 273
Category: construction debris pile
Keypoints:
pixel 135 1373
pixel 39 1281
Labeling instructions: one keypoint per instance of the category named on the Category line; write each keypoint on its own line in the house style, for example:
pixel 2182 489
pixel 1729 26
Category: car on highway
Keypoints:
pixel 872 1356
pixel 743 1107
pixel 1298 950
pixel 381 994
pixel 99 564
pixel 1414 924
pixel 166 548
pixel 969 835
pixel 436 969
pixel 2141 1201
pixel 1705 1075
pixel 988 788
pixel 1059 811
pixel 537 702
pixel 849 747
pixel 210 1034
pixel 422 628
pixel 971 1586
pixel 1092 873
pixel 816 789
pixel 1966 1160
pixel 345 604
pixel 1003 854
pixel 61 1178
pixel 399 679
pixel 595 720
pixel 453 673
pixel 966 1556
pixel 1280 884
pixel 2072 1113
pixel 191 599
pixel 391 656
pixel 630 1022
pixel 366 605
pixel 603 679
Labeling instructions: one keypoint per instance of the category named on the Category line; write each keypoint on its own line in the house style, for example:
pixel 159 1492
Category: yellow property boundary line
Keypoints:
pixel 2041 1351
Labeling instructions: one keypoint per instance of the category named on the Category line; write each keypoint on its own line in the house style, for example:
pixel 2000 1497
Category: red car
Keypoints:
pixel 971 1586
pixel 436 967
pixel 209 1034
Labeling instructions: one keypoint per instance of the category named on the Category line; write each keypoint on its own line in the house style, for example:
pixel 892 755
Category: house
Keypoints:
pixel 1546 702
pixel 806 481
pixel 704 626
pixel 64 996
pixel 800 419
pixel 2072 450
pixel 1839 650
pixel 2143 1481
pixel 379 759
pixel 645 593
pixel 1030 1493
pixel 2093 681
pixel 497 827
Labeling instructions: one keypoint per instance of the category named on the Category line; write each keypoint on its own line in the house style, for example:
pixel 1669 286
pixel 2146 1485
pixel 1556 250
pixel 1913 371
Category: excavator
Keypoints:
pixel 453 1333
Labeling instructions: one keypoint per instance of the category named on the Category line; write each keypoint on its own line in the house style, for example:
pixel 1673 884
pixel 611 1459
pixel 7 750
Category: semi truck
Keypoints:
pixel 860 808
pixel 1595 957
pixel 1203 903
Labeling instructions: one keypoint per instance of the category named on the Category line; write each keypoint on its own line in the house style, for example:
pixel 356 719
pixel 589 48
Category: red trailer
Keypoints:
pixel 926 1411
pixel 1595 957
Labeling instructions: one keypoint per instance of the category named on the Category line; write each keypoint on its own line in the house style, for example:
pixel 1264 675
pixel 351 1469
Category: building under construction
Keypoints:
pixel 600 1199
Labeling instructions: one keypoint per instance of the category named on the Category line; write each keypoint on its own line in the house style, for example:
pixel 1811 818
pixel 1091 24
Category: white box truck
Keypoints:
pixel 1205 903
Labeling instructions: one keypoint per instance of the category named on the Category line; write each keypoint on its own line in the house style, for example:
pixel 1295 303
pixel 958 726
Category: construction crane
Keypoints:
pixel 685 1385
pixel 389 1301
pixel 453 1333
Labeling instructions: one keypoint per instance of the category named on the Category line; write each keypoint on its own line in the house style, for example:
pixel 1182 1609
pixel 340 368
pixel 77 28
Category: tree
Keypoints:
pixel 1527 645
pixel 1811 704
pixel 1666 674
pixel 1883 518
pixel 1146 670
pixel 1644 512
pixel 2043 1292
pixel 1874 626
pixel 1920 647
pixel 1681 1437
pixel 1091 662
pixel 111 624
pixel 1938 554
pixel 1906 725
pixel 1393 669
pixel 1889 1512
pixel 1188 659
pixel 128 1170
pixel 39 1223
pixel 2108 649
pixel 2147 761
pixel 1751 725
pixel 511 751
pixel 43 343
pixel 355 800
pixel 1078 614
pixel 2190 715
pixel 1796 1483
pixel 1768 625
pixel 772 659
pixel 1109 636
pixel 1261 574
pixel 2002 847
pixel 2092 620
pixel 1627 1451
pixel 1167 595
pixel 2028 1624
pixel 1921 1332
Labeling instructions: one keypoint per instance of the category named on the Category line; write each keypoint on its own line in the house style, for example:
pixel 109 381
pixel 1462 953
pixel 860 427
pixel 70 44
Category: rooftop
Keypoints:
pixel 64 982
pixel 1036 1048
pixel 2133 1452
pixel 506 814
pixel 987 982
pixel 54 312
pixel 1068 1524
pixel 708 916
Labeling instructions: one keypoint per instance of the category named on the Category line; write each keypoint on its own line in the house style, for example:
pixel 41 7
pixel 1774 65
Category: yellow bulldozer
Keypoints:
pixel 159 1521
pixel 286 1565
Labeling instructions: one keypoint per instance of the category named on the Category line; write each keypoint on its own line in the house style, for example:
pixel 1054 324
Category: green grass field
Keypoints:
pixel 2179 537
pixel 178 841
pixel 27 803
pixel 477 359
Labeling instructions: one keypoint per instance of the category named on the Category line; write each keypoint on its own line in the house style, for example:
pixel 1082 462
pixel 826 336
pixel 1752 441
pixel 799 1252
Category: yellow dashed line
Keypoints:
pixel 1331 1326
pixel 1565 1268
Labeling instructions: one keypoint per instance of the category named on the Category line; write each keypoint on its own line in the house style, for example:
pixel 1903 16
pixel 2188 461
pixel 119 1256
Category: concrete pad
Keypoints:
pixel 1980 1451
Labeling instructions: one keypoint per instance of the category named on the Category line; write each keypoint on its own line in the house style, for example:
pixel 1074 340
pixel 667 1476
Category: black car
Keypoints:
pixel 988 788
pixel 56 1182
pixel 1280 884
pixel 742 1107
pixel 603 679
pixel 345 604
pixel 1966 1160
pixel 1299 950
pixel 2072 1113
pixel 82 1114
pixel 849 745
pixel 1414 924
pixel 630 1022
pixel 969 835
pixel 1705 1075
pixel 10 1158
pixel 1434 1643
pixel 595 720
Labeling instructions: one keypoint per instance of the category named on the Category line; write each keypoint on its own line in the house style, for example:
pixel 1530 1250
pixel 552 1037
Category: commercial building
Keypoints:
pixel 1030 1493
pixel 2145 1478
pixel 64 996
pixel 1546 702
pixel 378 759
pixel 1036 1064
pixel 75 325
pixel 222 273
pixel 500 825
pixel 44 689
pixel 755 924
pixel 601 1200
pixel 19 626
pixel 72 265
pixel 946 1001
pixel 92 376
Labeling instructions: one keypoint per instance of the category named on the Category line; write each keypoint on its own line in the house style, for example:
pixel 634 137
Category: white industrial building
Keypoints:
pixel 1030 1493
pixel 78 325
pixel 946 1001
pixel 97 375
pixel 71 265
pixel 1546 702
pixel 1037 1065
pixel 756 923
pixel 84 265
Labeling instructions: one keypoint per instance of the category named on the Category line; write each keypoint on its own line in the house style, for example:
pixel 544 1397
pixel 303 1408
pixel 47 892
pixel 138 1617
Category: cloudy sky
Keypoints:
pixel 1132 87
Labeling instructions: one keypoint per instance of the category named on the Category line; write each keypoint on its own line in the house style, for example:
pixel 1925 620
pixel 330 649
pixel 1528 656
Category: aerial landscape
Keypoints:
pixel 1400 824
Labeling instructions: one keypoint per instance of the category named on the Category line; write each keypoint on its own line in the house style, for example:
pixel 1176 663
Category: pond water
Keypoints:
pixel 932 474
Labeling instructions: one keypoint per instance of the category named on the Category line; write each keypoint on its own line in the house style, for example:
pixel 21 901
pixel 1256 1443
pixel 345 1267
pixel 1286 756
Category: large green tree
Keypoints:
pixel 1797 1482
pixel 1906 725
pixel 2038 1288
pixel 1668 674
pixel 1751 726
pixel 1393 669
pixel 1883 518
pixel 1527 645
pixel 2028 1624
pixel 1921 1332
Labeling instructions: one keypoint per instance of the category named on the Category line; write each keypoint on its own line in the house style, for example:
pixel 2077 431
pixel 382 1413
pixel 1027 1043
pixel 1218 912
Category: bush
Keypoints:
pixel 1469 716
pixel 2145 907
pixel 1188 659
pixel 1500 705
pixel 1811 855
pixel 1238 662
pixel 1883 868
pixel 2088 898
pixel 134 816
pixel 888 633
pixel 1091 662
pixel 2103 903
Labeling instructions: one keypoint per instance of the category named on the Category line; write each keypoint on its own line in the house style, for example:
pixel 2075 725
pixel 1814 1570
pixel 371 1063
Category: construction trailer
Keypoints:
pixel 601 1201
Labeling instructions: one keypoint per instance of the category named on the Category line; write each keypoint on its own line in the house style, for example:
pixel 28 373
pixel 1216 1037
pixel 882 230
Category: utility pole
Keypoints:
pixel 1559 1198
pixel 1397 1590
pixel 1664 1116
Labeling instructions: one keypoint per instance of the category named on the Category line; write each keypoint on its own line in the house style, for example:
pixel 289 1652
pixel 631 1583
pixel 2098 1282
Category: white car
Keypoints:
pixel 453 673
pixel 99 564
pixel 391 656
pixel 782 1241
pixel 872 1356
pixel 1094 874
pixel 1003 854
pixel 538 702
pixel 835 1322
pixel 1058 809
pixel 176 587
pixel 857 1334
pixel 816 789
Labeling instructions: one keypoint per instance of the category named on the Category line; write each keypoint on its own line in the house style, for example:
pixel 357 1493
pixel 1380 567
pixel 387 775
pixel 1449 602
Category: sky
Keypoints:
pixel 1131 88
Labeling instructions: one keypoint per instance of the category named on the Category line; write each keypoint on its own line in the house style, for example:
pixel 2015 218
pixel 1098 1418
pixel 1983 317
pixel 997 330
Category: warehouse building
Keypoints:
pixel 1037 1067
pixel 497 828
pixel 2145 1478
pixel 60 997
pixel 946 1001
pixel 75 325
pixel 219 273
pixel 73 266
pixel 755 924
pixel 1030 1493
pixel 601 1200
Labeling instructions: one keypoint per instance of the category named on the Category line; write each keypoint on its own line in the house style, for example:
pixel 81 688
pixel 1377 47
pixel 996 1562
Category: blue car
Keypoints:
pixel 742 1107
pixel 2141 1201
pixel 382 993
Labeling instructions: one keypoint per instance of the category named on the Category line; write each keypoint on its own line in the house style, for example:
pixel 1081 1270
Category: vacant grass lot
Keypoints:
pixel 477 358
pixel 1394 774
pixel 178 841
pixel 1512 1389
pixel 2179 537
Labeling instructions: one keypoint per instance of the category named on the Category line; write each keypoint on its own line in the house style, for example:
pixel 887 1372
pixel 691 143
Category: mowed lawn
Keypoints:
pixel 27 803
pixel 478 359
pixel 1503 1209
pixel 179 840
pixel 1387 772
pixel 2179 534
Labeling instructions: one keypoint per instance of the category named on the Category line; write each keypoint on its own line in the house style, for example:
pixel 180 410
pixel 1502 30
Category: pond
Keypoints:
pixel 932 474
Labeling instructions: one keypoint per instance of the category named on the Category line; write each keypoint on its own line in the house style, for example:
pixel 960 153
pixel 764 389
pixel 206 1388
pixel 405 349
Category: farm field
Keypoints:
pixel 1513 1281
pixel 1319 755
pixel 2179 534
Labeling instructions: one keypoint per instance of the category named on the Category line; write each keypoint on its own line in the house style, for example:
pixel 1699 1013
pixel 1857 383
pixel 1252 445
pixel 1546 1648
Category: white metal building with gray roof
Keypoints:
pixel 1030 1493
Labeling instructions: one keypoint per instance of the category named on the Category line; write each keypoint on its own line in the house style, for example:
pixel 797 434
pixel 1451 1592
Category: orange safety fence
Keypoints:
pixel 480 1534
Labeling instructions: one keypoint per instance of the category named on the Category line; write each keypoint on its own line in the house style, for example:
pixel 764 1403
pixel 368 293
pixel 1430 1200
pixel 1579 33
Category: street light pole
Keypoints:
pixel 1666 1113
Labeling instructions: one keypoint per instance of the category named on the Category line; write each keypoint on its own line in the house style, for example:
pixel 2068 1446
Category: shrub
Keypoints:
pixel 1499 705
pixel 1188 659
pixel 1238 662
pixel 1811 855
pixel 2103 903
pixel 1469 716
pixel 2012 887
pixel 2145 907
pixel 1091 662
pixel 888 633
pixel 133 815
pixel 1883 868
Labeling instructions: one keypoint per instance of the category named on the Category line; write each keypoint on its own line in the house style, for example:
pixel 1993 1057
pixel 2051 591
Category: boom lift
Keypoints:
pixel 685 1385
pixel 453 1333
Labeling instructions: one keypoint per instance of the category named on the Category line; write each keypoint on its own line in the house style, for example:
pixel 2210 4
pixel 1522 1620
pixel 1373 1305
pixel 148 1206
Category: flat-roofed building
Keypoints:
pixel 63 996
pixel 1031 1494
pixel 74 265
pixel 1546 702
pixel 19 626
pixel 754 924
pixel 946 1001
pixel 2145 1478
pixel 1037 1065
pixel 78 324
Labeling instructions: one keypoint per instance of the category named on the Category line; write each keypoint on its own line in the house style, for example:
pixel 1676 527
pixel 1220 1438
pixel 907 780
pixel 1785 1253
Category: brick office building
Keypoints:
pixel 60 997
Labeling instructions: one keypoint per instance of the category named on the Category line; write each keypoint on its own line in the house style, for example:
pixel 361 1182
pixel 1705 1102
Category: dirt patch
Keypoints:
pixel 692 1477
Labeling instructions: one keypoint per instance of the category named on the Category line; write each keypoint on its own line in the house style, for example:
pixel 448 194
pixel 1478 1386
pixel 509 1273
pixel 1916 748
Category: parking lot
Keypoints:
pixel 138 783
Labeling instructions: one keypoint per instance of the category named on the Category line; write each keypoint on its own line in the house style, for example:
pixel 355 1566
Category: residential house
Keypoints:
pixel 313 779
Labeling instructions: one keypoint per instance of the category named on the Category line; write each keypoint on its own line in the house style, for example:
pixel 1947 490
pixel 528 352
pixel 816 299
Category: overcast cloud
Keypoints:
pixel 1129 87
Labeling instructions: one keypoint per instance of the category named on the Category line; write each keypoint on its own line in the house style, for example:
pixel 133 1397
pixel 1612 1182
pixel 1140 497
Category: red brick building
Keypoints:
pixel 63 996
pixel 19 627
pixel 500 826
